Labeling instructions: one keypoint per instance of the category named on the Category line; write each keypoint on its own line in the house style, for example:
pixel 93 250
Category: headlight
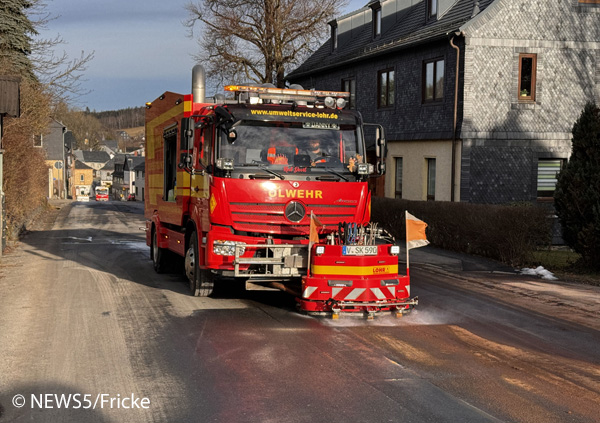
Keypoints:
pixel 320 250
pixel 395 250
pixel 225 164
pixel 363 169
pixel 227 248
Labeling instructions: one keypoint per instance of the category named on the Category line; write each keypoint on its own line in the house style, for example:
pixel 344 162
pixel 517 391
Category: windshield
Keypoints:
pixel 293 146
pixel 101 191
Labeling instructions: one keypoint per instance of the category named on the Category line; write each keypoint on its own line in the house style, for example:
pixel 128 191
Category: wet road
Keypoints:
pixel 82 312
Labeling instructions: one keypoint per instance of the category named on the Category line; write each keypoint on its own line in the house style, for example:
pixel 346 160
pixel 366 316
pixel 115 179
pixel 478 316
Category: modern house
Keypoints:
pixel 478 98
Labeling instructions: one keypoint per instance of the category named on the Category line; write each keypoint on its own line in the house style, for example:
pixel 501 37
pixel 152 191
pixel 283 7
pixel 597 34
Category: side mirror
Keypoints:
pixel 380 143
pixel 224 117
pixel 187 134
pixel 380 149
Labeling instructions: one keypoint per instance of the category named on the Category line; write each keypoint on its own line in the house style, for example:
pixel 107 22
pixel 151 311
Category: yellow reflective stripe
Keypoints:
pixel 354 270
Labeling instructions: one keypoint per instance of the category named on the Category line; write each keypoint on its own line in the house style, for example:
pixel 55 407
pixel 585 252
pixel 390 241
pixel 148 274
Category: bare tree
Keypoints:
pixel 258 40
pixel 61 75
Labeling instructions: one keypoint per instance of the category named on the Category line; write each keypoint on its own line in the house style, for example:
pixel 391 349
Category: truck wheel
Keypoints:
pixel 201 283
pixel 158 255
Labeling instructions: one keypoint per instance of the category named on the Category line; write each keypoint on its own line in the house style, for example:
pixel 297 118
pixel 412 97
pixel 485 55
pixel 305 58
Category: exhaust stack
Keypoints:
pixel 198 83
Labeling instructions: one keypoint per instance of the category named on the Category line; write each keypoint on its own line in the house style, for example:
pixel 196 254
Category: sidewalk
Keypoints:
pixel 577 302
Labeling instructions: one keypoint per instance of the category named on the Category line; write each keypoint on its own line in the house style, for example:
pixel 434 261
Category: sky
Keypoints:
pixel 141 48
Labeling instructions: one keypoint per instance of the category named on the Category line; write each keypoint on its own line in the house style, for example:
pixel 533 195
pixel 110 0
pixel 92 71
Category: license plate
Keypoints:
pixel 359 250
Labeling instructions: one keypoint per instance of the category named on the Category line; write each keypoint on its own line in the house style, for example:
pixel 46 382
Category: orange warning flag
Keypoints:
pixel 415 232
pixel 315 224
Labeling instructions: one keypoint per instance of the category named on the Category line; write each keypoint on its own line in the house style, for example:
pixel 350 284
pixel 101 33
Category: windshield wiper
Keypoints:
pixel 333 172
pixel 262 166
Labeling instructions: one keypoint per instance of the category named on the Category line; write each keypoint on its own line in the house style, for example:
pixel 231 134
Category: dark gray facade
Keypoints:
pixel 500 136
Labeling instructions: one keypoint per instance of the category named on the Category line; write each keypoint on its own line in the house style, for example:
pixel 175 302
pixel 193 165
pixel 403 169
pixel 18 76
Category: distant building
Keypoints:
pixel 53 142
pixel 83 179
pixel 95 160
pixel 130 184
pixel 111 147
pixel 118 177
pixel 140 181
pixel 106 172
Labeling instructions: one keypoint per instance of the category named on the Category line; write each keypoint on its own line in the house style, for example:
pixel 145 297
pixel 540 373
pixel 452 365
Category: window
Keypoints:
pixel 334 36
pixel 82 177
pixel 170 162
pixel 377 21
pixel 385 88
pixel 527 71
pixel 430 179
pixel 207 136
pixel 546 178
pixel 349 85
pixel 431 9
pixel 398 189
pixel 433 80
pixel 37 140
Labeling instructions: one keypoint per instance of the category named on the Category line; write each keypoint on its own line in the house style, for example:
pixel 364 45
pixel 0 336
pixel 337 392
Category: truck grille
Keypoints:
pixel 270 218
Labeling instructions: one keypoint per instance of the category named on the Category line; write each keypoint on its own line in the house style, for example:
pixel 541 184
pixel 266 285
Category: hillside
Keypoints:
pixel 131 117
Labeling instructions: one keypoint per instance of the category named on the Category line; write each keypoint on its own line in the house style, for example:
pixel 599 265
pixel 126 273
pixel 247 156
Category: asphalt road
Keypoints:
pixel 84 316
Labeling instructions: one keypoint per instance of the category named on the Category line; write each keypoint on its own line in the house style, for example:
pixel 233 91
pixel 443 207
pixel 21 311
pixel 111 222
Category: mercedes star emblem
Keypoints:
pixel 295 211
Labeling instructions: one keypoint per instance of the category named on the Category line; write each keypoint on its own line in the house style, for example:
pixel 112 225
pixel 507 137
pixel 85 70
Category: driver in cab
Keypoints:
pixel 315 151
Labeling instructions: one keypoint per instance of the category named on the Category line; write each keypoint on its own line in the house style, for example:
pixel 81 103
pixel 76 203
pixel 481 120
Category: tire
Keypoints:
pixel 158 255
pixel 201 282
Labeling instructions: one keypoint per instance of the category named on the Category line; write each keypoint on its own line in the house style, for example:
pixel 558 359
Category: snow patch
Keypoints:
pixel 539 271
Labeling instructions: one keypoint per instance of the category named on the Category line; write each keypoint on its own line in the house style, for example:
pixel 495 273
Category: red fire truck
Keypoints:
pixel 101 193
pixel 235 187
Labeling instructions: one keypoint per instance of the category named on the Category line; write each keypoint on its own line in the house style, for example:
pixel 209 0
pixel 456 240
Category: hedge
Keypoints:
pixel 508 233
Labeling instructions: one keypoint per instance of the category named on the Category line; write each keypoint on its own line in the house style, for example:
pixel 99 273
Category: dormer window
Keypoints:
pixel 376 14
pixel 334 35
pixel 432 9
pixel 377 21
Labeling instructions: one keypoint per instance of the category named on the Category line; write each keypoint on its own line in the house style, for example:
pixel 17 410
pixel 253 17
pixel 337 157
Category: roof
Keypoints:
pixel 111 144
pixel 135 161
pixel 78 154
pixel 54 140
pixel 69 140
pixel 95 156
pixel 404 28
pixel 140 167
pixel 81 165
pixel 110 165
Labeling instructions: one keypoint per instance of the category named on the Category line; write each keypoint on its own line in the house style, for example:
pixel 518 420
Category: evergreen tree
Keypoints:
pixel 16 30
pixel 577 195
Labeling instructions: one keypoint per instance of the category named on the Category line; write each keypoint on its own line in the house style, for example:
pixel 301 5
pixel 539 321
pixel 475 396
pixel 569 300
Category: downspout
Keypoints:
pixel 453 173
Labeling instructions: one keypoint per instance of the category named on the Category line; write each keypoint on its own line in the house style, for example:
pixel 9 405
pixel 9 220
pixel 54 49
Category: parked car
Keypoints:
pixel 131 197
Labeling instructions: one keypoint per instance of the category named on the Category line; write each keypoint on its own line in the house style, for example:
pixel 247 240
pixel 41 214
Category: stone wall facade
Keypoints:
pixel 504 137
